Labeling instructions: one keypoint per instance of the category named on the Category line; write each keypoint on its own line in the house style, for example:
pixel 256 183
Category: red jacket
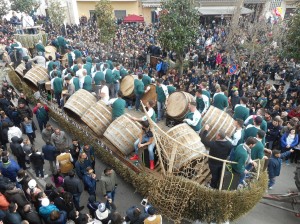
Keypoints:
pixel 294 113
pixel 3 202
pixel 36 108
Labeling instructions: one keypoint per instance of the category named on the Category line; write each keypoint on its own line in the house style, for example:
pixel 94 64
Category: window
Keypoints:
pixel 120 14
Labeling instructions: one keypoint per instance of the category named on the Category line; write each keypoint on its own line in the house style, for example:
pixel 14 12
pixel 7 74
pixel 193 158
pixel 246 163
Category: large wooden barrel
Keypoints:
pixel 19 70
pixel 150 95
pixel 80 102
pixel 35 75
pixel 178 105
pixel 184 134
pixel 127 85
pixel 218 120
pixel 50 51
pixel 122 133
pixel 98 117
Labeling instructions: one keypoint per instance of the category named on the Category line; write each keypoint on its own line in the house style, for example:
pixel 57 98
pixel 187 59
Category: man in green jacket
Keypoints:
pixel 77 53
pixel 193 118
pixel 57 87
pixel 162 98
pixel 87 82
pixel 118 106
pixel 71 57
pixel 40 47
pixel 251 130
pixel 241 110
pixel 171 87
pixel 138 91
pixel 97 77
pixel 62 44
pixel 117 78
pixel 242 157
pixel 220 100
pixel 109 79
pixel 75 81
pixel 261 113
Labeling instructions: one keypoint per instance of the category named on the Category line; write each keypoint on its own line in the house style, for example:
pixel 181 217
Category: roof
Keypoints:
pixel 133 18
pixel 222 10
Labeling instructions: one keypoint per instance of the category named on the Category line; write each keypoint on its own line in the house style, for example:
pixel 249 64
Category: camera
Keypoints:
pixel 144 202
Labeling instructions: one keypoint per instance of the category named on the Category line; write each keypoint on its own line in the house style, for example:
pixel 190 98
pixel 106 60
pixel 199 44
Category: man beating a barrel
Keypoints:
pixel 193 117
pixel 145 139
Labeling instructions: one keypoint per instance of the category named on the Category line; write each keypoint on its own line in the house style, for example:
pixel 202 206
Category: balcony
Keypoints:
pixel 227 2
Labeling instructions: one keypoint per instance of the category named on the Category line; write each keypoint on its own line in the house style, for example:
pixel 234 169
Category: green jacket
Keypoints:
pixel 161 93
pixel 198 126
pixel 88 66
pixel 146 80
pixel 206 93
pixel 241 112
pixel 76 83
pixel 61 41
pixel 240 156
pixel 220 101
pixel 109 76
pixel 200 104
pixel 110 64
pixel 139 88
pixel 116 76
pixel 251 131
pixel 75 68
pixel 87 83
pixel 40 47
pixel 77 53
pixel 257 152
pixel 50 65
pixel 57 85
pixel 123 72
pixel 263 125
pixel 118 108
pixel 99 76
pixel 171 89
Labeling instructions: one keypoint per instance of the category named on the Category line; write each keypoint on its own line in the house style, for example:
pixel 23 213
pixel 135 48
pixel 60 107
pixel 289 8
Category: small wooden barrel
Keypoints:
pixel 150 95
pixel 218 120
pixel 184 134
pixel 19 70
pixel 48 85
pixel 178 105
pixel 122 133
pixel 50 51
pixel 35 75
pixel 80 102
pixel 98 117
pixel 127 86
pixel 153 61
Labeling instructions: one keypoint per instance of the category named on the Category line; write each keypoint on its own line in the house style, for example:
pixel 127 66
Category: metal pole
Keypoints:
pixel 222 175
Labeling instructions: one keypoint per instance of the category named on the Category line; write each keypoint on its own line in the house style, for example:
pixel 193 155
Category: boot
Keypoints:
pixel 151 164
pixel 135 157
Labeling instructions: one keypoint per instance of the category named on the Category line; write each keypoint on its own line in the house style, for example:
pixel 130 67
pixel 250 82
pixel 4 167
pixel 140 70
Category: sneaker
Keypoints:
pixel 129 107
pixel 45 176
pixel 138 110
pixel 135 157
pixel 287 163
pixel 270 188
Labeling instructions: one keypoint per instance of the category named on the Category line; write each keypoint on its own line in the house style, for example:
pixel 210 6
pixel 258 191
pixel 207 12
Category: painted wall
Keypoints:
pixel 84 7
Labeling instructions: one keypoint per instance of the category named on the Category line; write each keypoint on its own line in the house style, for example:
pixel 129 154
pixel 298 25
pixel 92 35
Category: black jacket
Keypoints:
pixel 72 185
pixel 16 147
pixel 4 183
pixel 218 149
pixel 37 159
pixel 32 217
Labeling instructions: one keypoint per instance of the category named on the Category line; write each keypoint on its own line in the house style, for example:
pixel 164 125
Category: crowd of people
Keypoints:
pixel 262 97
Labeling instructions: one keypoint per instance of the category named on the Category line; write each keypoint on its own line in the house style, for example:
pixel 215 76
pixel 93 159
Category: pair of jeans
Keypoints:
pixel 215 175
pixel 42 124
pixel 116 89
pixel 110 195
pixel 39 171
pixel 271 182
pixel 31 137
pixel 138 98
pixel 111 88
pixel 150 147
pixel 76 199
pixel 57 97
pixel 160 110
pixel 52 166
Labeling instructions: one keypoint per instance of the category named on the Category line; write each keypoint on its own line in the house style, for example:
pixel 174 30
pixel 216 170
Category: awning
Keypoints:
pixel 133 19
pixel 222 10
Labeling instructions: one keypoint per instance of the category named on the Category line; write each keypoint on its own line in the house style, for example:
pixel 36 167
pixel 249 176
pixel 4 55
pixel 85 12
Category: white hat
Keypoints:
pixel 45 202
pixel 32 184
pixel 102 212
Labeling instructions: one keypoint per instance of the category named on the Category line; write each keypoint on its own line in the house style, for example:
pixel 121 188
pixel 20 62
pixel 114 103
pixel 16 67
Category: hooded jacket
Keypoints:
pixel 61 220
pixel 45 211
pixel 16 147
pixel 16 195
pixel 13 131
pixel 10 169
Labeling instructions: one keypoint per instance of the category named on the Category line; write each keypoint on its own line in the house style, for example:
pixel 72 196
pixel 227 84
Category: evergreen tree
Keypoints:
pixel 179 27
pixel 292 45
pixel 23 5
pixel 56 13
pixel 105 21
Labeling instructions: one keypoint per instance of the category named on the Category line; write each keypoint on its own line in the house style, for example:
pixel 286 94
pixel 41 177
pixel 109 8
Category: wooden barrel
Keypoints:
pixel 19 70
pixel 50 51
pixel 178 105
pixel 36 74
pixel 127 85
pixel 80 102
pixel 48 85
pixel 122 133
pixel 150 95
pixel 153 61
pixel 184 134
pixel 98 117
pixel 218 120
